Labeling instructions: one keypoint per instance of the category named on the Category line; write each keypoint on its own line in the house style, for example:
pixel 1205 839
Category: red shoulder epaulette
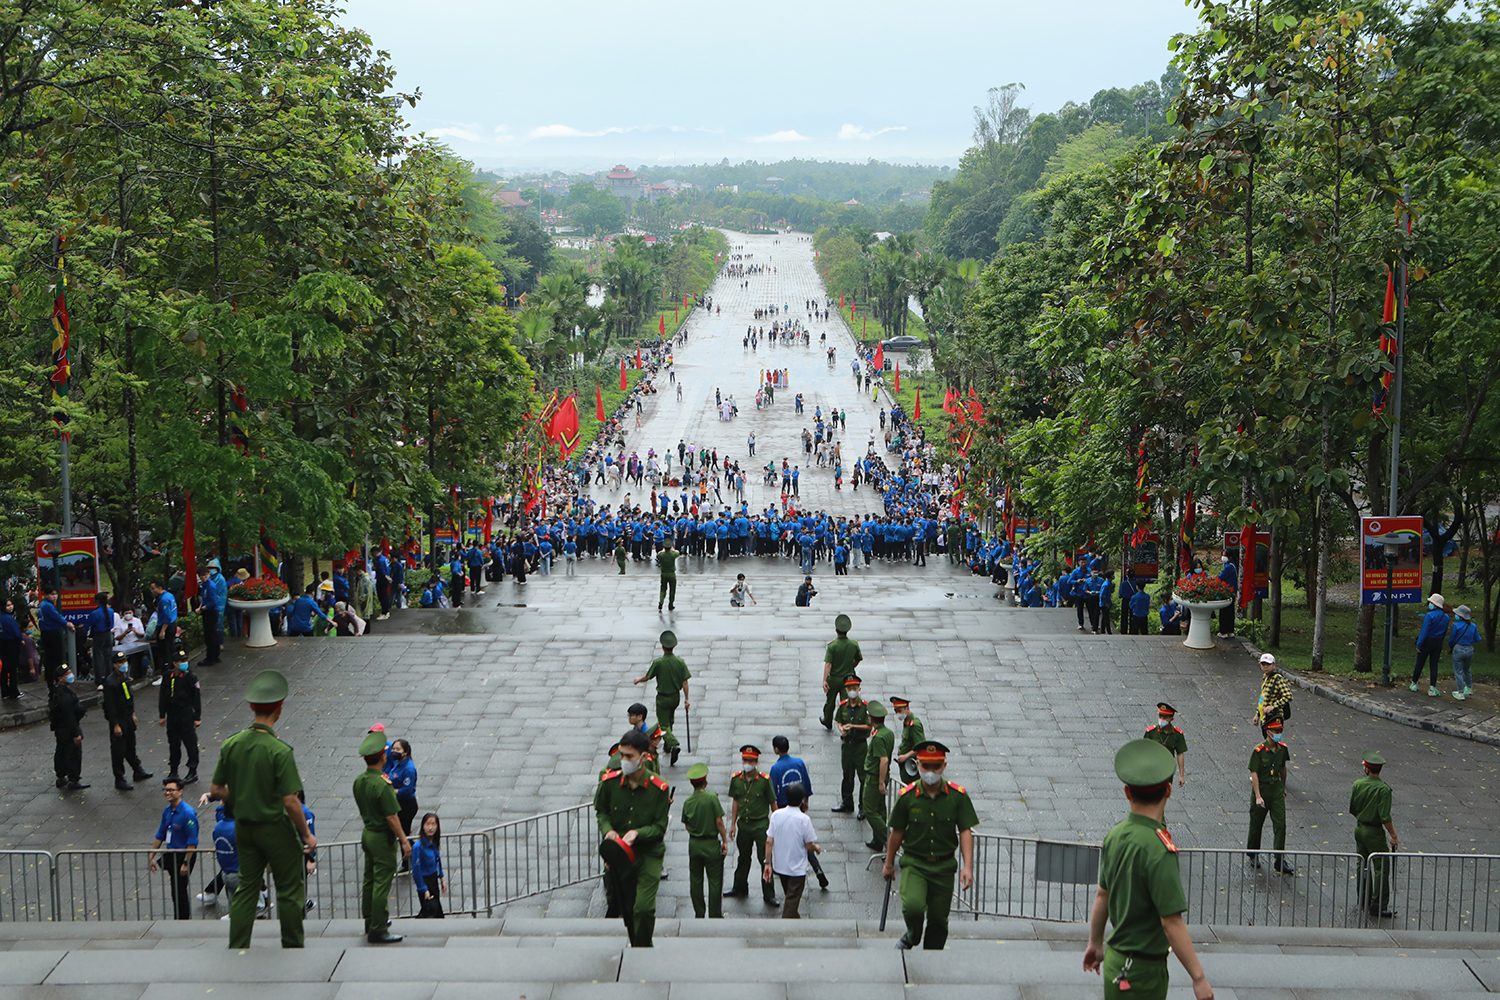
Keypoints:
pixel 656 780
pixel 610 774
pixel 1176 730
pixel 957 787
pixel 1149 731
pixel 907 788
pixel 1166 838
pixel 1261 747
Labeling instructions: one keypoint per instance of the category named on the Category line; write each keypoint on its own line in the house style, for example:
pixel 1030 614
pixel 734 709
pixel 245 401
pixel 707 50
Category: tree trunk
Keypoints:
pixel 1278 536
pixel 1464 541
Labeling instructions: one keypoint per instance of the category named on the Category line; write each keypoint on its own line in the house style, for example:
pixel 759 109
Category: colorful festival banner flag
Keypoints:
pixel 598 403
pixel 62 368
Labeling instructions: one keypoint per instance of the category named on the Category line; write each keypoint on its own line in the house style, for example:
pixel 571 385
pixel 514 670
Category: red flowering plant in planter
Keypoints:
pixel 1203 589
pixel 258 588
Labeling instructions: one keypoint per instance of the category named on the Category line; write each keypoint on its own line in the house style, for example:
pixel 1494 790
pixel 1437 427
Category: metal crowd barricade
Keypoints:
pixel 542 853
pixel 1223 887
pixel 1030 879
pixel 118 884
pixel 1443 892
pixel 26 886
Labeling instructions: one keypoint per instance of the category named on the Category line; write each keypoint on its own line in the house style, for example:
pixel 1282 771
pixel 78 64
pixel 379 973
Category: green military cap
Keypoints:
pixel 697 771
pixel 1143 763
pixel 372 744
pixel 1374 757
pixel 842 623
pixel 876 710
pixel 668 640
pixel 267 688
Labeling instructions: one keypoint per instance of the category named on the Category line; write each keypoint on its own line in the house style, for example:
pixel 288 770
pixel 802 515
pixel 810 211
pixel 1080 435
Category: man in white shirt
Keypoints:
pixel 789 840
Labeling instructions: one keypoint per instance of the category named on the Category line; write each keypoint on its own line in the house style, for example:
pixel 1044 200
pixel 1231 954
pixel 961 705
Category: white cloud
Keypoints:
pixel 790 135
pixel 568 132
pixel 457 133
pixel 855 132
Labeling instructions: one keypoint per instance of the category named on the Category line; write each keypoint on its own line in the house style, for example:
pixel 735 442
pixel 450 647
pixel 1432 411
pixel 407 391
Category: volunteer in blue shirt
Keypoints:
pixel 786 772
pixel 1170 614
pixel 101 638
pixel 177 839
pixel 1430 642
pixel 166 621
pixel 1462 642
pixel 1106 602
pixel 1230 574
pixel 1140 610
pixel 10 652
pixel 300 618
pixel 52 627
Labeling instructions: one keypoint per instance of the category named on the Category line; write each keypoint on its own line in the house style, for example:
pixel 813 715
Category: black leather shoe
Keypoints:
pixel 772 901
pixel 822 881
pixel 1284 868
pixel 62 782
pixel 845 808
pixel 140 775
pixel 384 937
pixel 826 725
pixel 676 752
pixel 124 785
pixel 903 944
pixel 192 776
pixel 1254 861
pixel 77 786
pixel 875 845
pixel 729 893
pixel 859 814
pixel 612 913
pixel 1387 914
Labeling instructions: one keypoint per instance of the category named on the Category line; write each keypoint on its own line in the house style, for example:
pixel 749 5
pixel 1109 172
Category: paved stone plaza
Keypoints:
pixel 511 704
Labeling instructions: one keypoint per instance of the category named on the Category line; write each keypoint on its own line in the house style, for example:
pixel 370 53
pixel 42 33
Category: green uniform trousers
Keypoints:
pixel 872 801
pixel 1275 805
pixel 668 583
pixel 852 757
pixel 275 846
pixel 637 883
pixel 835 691
pixel 705 861
pixel 1375 876
pixel 927 896
pixel 620 561
pixel 1147 977
pixel 751 842
pixel 380 872
pixel 666 717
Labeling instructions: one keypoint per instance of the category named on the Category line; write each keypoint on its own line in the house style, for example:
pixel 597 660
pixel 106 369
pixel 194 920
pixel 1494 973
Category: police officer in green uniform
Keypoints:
pixel 754 798
pixel 632 809
pixel 912 735
pixel 1268 793
pixel 853 720
pixel 708 843
pixel 932 819
pixel 671 675
pixel 256 777
pixel 666 559
pixel 877 769
pixel 1370 805
pixel 840 659
pixel 620 555
pixel 376 801
pixel 1168 735
pixel 1140 888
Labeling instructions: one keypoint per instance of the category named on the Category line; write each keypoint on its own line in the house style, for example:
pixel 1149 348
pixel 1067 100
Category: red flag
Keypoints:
pixel 879 357
pixel 598 403
pixel 385 546
pixel 898 376
pixel 638 345
pixel 189 550
pixel 622 375
pixel 489 519
pixel 1387 346
pixel 663 329
pixel 1390 298
pixel 564 428
pixel 841 296
pixel 948 400
pixel 916 413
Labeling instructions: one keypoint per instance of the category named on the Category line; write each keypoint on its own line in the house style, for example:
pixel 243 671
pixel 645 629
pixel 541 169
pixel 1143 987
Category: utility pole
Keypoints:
pixel 1395 487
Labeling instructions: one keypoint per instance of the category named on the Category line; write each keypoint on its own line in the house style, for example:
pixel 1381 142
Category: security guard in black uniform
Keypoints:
pixel 119 715
pixel 179 707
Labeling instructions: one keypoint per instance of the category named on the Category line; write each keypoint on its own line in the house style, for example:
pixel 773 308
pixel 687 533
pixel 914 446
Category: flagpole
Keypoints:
pixel 1401 266
pixel 69 639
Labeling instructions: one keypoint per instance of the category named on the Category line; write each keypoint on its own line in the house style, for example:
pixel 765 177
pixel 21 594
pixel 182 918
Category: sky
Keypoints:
pixel 590 83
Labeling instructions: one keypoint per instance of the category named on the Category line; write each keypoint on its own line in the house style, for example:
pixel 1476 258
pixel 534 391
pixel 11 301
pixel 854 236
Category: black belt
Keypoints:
pixel 1363 823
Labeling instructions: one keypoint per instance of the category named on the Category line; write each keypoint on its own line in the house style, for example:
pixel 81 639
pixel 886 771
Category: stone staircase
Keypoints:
pixel 537 958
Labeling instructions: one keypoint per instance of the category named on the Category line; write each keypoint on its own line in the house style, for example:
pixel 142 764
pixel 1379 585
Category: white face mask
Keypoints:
pixel 748 768
pixel 629 766
pixel 1163 722
pixel 931 777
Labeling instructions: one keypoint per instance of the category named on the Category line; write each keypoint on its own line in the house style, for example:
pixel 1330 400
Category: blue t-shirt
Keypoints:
pixel 789 770
pixel 179 827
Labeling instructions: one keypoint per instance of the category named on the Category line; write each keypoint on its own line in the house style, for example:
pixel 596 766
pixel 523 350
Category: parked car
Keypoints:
pixel 903 343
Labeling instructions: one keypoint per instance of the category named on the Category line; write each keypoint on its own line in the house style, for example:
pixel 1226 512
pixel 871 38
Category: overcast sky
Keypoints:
pixel 589 83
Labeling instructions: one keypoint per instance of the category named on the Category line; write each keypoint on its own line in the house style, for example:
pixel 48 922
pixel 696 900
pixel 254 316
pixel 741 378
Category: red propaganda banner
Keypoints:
pixel 72 566
pixel 1257 561
pixel 1390 552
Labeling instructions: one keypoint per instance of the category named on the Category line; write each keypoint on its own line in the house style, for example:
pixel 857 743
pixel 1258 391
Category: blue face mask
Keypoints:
pixel 1277 737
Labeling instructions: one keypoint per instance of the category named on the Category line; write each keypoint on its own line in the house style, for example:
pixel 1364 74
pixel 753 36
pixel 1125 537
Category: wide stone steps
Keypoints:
pixel 530 958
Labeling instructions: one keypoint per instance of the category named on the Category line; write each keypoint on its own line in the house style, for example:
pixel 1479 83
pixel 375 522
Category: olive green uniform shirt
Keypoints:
pixel 911 734
pixel 1138 869
pixel 842 656
pixel 376 800
pixel 1370 801
pixel 260 771
pixel 701 813
pixel 671 673
pixel 930 824
pixel 853 713
pixel 882 744
pixel 1171 737
pixel 667 560
pixel 621 808
pixel 756 798
pixel 1269 760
